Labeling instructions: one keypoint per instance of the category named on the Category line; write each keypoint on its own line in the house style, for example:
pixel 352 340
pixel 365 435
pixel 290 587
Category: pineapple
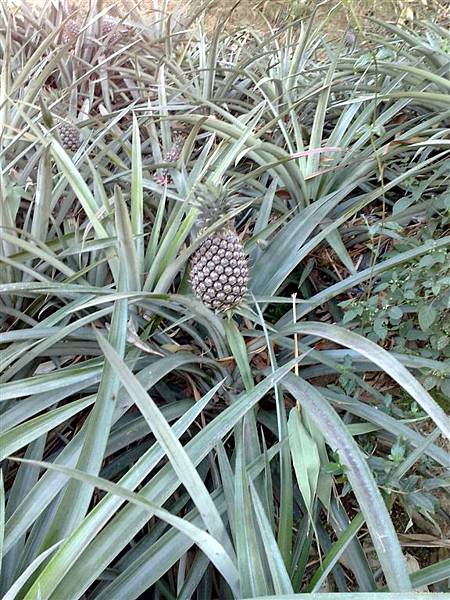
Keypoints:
pixel 69 136
pixel 110 29
pixel 163 177
pixel 219 273
pixel 71 32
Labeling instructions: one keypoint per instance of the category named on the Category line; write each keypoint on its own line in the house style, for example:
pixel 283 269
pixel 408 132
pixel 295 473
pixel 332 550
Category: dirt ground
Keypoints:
pixel 341 13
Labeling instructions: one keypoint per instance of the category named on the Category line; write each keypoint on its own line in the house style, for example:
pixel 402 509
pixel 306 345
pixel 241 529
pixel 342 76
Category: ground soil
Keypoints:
pixel 341 14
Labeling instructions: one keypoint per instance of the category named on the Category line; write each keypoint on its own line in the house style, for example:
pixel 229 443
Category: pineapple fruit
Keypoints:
pixel 110 29
pixel 71 32
pixel 163 176
pixel 219 272
pixel 69 136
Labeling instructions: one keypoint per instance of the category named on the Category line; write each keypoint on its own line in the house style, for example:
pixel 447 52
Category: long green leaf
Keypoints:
pixel 127 250
pixel 205 542
pixel 361 479
pixel 254 580
pixel 23 434
pixel 239 350
pixel 142 566
pixel 77 496
pixel 50 484
pixel 305 458
pixel 357 596
pixel 180 461
pixel 335 553
pixel 19 583
pixel 280 577
pixel 88 551
pixel 2 517
pixel 386 361
pixel 137 196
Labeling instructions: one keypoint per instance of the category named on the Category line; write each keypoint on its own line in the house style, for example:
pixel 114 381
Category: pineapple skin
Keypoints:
pixel 71 32
pixel 163 175
pixel 110 30
pixel 219 273
pixel 69 136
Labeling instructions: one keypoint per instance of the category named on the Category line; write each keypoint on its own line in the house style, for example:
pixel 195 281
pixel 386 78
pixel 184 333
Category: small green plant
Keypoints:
pixel 408 309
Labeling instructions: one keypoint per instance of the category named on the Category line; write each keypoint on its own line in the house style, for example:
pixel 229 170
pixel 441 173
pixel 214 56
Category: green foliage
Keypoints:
pixel 150 446
pixel 408 308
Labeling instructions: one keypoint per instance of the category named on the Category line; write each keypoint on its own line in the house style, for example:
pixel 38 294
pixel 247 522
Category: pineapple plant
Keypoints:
pixel 69 136
pixel 219 274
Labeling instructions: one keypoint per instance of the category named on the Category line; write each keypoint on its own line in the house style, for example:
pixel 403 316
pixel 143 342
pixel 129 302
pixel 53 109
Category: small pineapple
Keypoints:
pixel 163 176
pixel 219 267
pixel 69 136
pixel 71 32
pixel 110 29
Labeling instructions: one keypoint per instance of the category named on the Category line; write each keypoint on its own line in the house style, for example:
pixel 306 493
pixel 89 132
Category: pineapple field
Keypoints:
pixel 225 300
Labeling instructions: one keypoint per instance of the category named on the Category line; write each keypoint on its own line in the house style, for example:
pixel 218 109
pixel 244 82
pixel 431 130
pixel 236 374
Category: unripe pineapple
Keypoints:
pixel 163 176
pixel 219 267
pixel 71 32
pixel 110 29
pixel 69 136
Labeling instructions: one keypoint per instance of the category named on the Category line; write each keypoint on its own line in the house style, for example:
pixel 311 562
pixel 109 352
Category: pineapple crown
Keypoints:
pixel 214 202
pixel 57 108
